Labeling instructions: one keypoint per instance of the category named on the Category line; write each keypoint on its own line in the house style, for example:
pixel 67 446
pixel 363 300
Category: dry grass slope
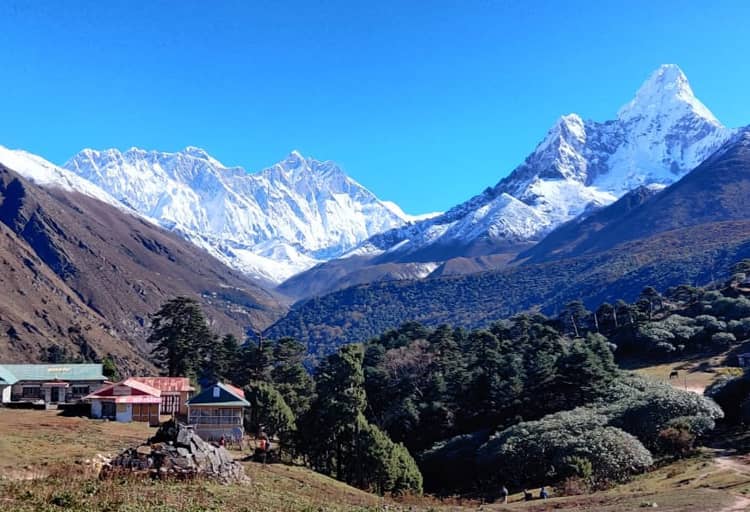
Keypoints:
pixel 41 470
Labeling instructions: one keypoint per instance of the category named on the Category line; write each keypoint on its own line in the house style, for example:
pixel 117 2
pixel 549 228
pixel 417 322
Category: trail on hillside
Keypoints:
pixel 741 504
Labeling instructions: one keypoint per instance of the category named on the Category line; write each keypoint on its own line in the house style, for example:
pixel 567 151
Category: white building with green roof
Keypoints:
pixel 49 383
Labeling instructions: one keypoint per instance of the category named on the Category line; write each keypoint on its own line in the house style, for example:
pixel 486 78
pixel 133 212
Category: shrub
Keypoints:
pixel 676 440
pixel 645 415
pixel 451 464
pixel 723 339
pixel 732 308
pixel 563 445
pixel 730 393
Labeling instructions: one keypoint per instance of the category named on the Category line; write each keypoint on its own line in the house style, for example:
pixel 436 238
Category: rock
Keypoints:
pixel 176 452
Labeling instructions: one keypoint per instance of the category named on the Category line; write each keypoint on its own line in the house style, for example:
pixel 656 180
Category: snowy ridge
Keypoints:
pixel 659 136
pixel 272 224
pixel 47 174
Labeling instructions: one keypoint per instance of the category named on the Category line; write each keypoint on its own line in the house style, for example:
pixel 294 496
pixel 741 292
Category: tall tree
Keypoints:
pixel 340 400
pixel 269 413
pixel 221 358
pixel 180 337
pixel 290 376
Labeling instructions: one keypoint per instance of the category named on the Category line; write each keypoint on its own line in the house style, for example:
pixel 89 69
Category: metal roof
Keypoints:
pixel 48 372
pixel 6 377
pixel 107 391
pixel 138 399
pixel 227 396
pixel 167 384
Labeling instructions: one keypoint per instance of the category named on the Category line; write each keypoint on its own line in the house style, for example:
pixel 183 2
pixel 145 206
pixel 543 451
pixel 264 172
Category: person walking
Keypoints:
pixel 504 494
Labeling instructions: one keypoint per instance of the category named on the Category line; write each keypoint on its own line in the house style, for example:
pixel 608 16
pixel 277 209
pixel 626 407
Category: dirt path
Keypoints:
pixel 732 464
pixel 741 504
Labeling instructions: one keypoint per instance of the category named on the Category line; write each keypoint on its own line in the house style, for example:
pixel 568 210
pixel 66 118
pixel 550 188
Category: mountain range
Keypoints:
pixel 597 209
pixel 271 224
pixel 690 232
pixel 578 167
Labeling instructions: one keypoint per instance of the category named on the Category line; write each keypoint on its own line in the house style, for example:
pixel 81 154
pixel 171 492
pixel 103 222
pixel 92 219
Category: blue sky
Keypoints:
pixel 424 102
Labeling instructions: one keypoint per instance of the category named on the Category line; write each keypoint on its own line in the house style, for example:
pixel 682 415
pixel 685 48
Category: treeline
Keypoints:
pixel 684 319
pixel 530 400
pixel 319 421
pixel 474 301
pixel 523 403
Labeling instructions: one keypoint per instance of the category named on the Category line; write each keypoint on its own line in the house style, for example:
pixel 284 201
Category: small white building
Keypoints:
pixel 126 401
pixel 49 383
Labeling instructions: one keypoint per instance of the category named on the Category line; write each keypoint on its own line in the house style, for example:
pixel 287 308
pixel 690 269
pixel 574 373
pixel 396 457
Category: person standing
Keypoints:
pixel 504 494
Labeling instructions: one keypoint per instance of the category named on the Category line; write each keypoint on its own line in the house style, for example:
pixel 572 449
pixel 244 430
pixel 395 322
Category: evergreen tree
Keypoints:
pixel 254 363
pixel 269 413
pixel 289 375
pixel 330 425
pixel 109 369
pixel 221 358
pixel 180 336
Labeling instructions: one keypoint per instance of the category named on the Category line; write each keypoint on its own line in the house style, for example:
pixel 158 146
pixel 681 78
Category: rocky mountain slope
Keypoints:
pixel 690 232
pixel 579 167
pixel 715 191
pixel 660 135
pixel 108 267
pixel 272 224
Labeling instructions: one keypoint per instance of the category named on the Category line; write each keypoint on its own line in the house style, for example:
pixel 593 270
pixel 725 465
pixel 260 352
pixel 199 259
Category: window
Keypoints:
pixel 79 390
pixel 170 404
pixel 31 392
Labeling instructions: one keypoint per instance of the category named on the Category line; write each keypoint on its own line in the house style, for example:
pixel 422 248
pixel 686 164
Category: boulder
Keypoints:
pixel 176 451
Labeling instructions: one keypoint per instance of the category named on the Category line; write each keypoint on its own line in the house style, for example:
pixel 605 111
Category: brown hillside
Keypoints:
pixel 119 266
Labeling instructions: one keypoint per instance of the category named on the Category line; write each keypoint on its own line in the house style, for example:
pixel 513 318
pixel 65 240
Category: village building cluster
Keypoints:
pixel 216 412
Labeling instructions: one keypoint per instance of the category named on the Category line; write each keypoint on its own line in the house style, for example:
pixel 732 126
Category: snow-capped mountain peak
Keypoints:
pixel 273 223
pixel 666 92
pixel 657 137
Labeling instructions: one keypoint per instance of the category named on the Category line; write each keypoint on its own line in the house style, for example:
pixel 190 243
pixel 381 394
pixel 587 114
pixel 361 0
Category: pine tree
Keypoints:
pixel 269 413
pixel 290 376
pixel 180 336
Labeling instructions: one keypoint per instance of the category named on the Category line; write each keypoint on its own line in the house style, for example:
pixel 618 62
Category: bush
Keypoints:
pixel 730 393
pixel 723 339
pixel 676 440
pixel 451 464
pixel 560 446
pixel 645 415
pixel 731 308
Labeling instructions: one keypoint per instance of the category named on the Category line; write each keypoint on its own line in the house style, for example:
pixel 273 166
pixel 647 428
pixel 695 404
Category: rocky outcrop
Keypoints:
pixel 179 453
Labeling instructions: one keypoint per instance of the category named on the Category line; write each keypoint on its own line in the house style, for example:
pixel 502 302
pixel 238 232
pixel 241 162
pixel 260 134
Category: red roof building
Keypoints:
pixel 175 392
pixel 125 401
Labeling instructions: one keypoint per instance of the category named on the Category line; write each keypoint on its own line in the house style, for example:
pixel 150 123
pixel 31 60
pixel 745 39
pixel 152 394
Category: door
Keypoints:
pixel 108 410
pixel 54 395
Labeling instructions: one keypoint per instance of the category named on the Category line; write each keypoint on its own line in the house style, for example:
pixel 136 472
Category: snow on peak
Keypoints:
pixel 272 223
pixel 663 133
pixel 47 174
pixel 666 90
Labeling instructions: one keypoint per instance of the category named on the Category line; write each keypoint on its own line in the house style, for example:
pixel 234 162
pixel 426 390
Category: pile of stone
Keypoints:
pixel 176 452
